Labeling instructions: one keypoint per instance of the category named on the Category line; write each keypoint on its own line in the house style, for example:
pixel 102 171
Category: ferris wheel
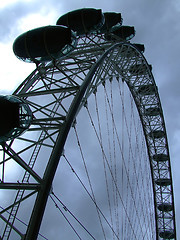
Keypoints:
pixel 84 136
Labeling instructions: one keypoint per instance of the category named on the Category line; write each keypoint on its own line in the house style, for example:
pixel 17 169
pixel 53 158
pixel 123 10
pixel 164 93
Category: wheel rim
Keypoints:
pixel 55 90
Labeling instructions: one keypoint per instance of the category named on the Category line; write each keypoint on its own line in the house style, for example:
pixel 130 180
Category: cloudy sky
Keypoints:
pixel 157 27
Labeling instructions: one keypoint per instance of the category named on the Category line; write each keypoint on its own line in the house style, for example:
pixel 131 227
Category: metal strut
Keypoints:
pixel 40 204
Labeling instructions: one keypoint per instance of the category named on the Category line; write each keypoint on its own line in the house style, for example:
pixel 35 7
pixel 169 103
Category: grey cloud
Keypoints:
pixel 12 14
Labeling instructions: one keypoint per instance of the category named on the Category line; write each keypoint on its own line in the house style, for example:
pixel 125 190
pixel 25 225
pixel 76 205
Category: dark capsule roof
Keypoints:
pixel 160 157
pixel 112 20
pixel 163 182
pixel 165 207
pixel 42 44
pixel 124 33
pixel 148 89
pixel 152 111
pixel 157 134
pixel 140 47
pixel 83 21
pixel 167 234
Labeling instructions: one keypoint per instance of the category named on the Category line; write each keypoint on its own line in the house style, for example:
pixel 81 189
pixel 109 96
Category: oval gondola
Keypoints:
pixel 160 157
pixel 165 207
pixel 139 69
pixel 112 21
pixel 140 47
pixel 167 234
pixel 16 117
pixel 123 33
pixel 83 21
pixel 146 89
pixel 157 134
pixel 44 44
pixel 163 182
pixel 152 111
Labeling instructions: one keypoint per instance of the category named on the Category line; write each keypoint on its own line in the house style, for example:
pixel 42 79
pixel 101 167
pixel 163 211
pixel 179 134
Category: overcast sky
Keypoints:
pixel 157 27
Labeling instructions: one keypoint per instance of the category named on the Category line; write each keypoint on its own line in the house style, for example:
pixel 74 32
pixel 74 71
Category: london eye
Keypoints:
pixel 89 113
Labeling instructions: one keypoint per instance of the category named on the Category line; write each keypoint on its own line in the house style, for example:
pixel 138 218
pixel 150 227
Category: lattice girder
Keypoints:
pixel 59 82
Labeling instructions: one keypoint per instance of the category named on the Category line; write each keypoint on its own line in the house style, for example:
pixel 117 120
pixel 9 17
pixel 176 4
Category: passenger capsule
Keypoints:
pixel 16 117
pixel 163 182
pixel 157 134
pixel 152 111
pixel 123 33
pixel 83 21
pixel 148 89
pixel 165 207
pixel 112 21
pixel 160 157
pixel 128 52
pixel 167 234
pixel 140 47
pixel 140 69
pixel 44 44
